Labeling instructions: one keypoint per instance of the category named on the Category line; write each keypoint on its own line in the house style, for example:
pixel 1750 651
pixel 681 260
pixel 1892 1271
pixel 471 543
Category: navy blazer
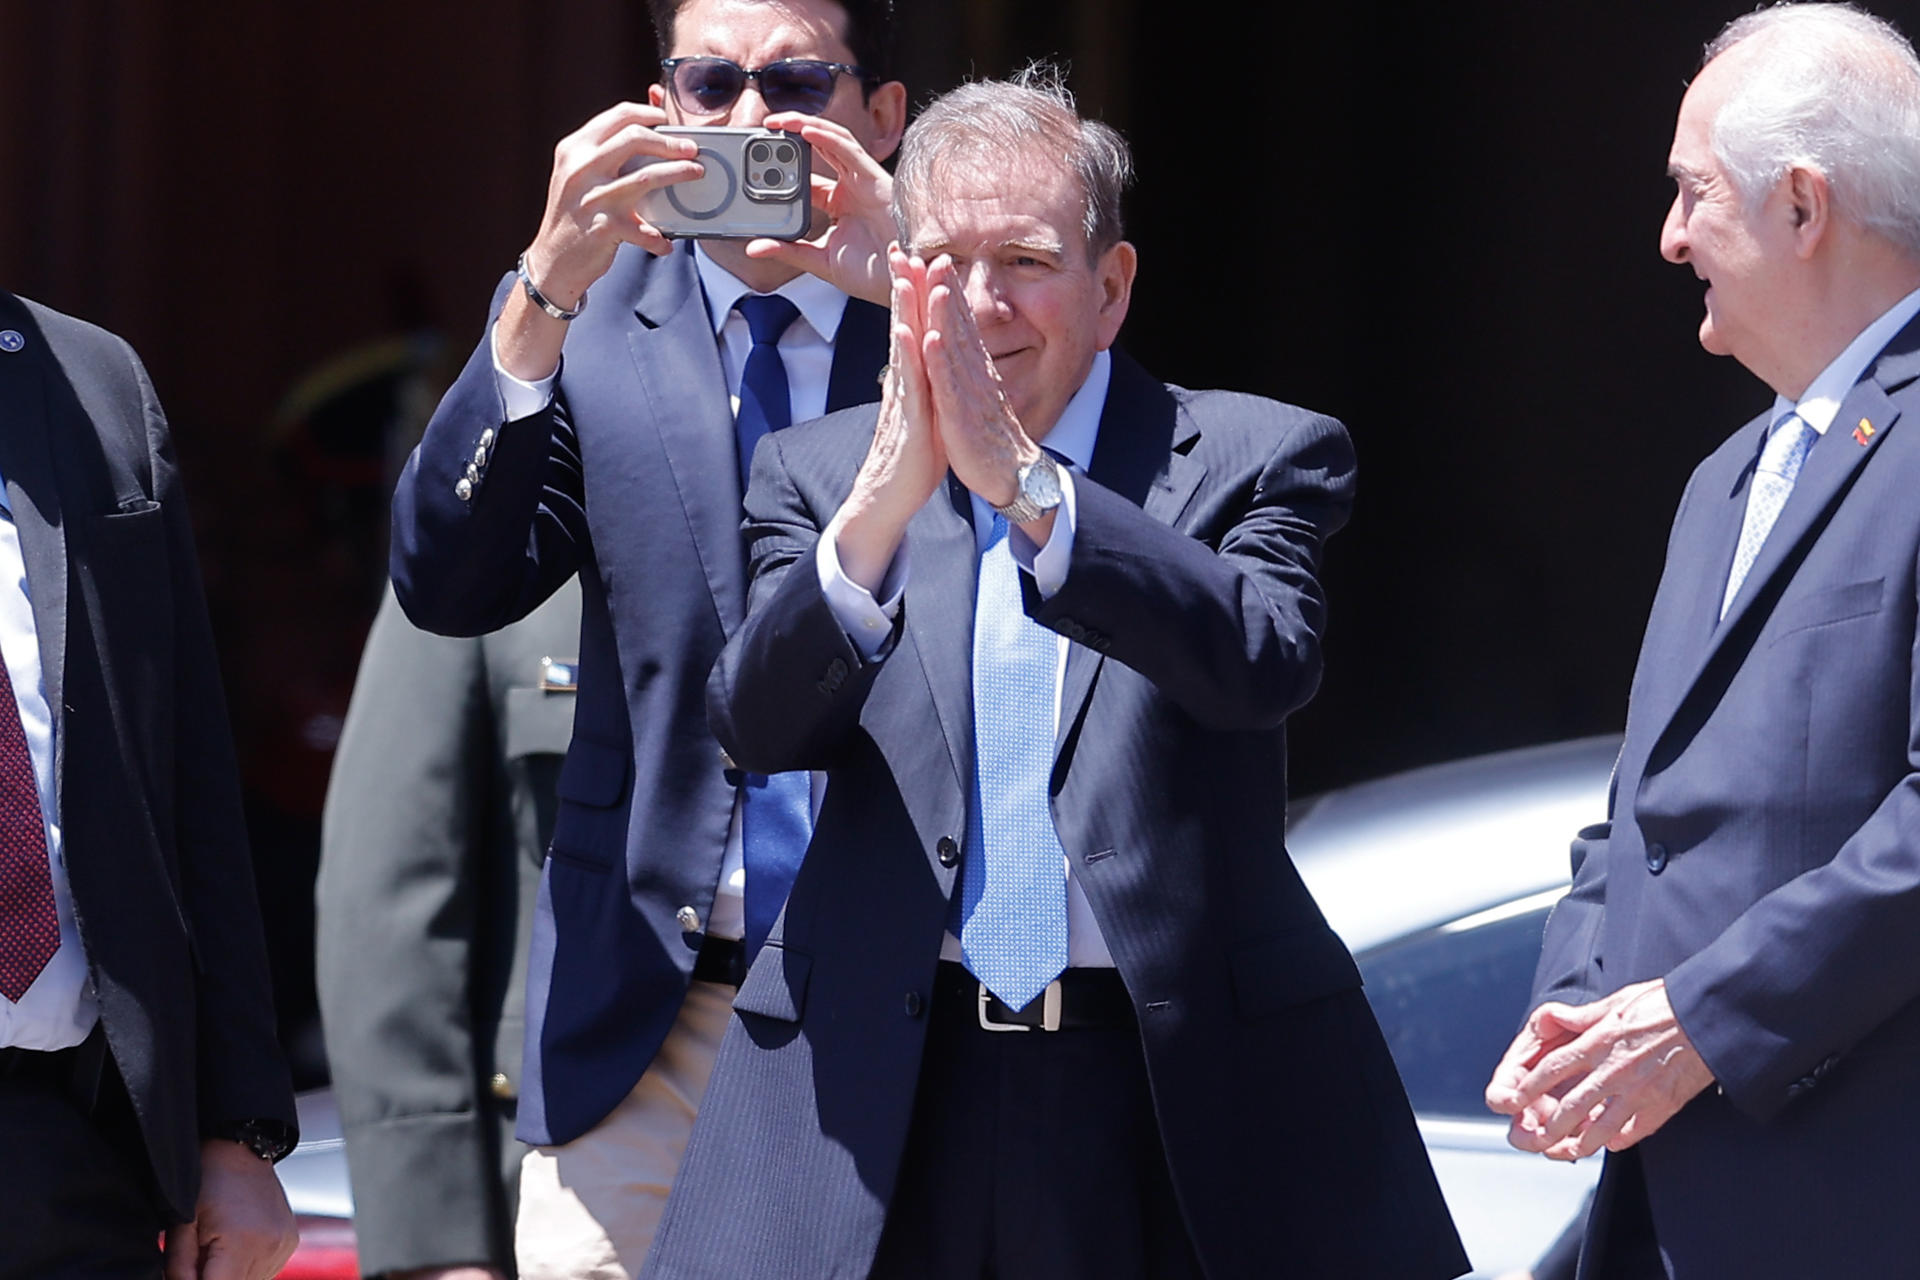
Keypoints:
pixel 147 788
pixel 1195 616
pixel 1763 854
pixel 630 479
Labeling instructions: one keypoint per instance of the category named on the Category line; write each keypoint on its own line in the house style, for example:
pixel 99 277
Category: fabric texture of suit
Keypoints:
pixel 629 478
pixel 437 820
pixel 147 788
pixel 1196 617
pixel 1763 855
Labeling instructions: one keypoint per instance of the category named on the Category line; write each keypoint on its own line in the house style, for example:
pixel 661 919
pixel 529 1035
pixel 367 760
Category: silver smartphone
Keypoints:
pixel 758 182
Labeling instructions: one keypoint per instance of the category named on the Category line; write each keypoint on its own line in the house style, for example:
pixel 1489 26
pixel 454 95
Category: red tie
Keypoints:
pixel 29 925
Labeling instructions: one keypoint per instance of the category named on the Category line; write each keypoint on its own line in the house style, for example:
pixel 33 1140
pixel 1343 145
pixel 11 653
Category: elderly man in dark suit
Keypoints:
pixel 141 1087
pixel 1049 998
pixel 437 820
pixel 610 439
pixel 1727 997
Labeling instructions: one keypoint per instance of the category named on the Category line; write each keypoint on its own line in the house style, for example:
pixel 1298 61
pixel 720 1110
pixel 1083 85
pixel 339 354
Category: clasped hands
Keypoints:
pixel 943 408
pixel 1607 1074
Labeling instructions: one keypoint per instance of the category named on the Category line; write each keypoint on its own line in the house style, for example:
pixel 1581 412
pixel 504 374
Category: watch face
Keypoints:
pixel 1040 484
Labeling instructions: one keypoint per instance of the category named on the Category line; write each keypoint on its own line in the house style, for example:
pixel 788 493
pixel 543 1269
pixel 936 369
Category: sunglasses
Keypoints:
pixel 708 86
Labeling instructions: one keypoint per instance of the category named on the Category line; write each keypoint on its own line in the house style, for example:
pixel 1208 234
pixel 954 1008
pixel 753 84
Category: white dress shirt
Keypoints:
pixel 868 621
pixel 1820 403
pixel 806 350
pixel 58 1010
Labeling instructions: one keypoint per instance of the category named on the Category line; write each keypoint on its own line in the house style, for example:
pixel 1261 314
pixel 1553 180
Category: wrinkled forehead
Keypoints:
pixel 979 188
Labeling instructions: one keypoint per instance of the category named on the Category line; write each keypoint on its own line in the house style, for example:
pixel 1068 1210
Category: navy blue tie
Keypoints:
pixel 776 812
pixel 764 402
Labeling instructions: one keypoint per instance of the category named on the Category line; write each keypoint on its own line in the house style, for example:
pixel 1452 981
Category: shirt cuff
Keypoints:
pixel 1048 564
pixel 522 399
pixel 867 621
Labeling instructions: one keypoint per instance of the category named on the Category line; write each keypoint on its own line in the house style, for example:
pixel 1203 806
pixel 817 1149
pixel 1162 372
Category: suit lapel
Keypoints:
pixel 859 349
pixel 1823 483
pixel 26 461
pixel 677 361
pixel 941 587
pixel 1142 454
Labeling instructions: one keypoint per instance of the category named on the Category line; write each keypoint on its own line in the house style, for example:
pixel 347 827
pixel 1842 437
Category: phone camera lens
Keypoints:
pixel 761 151
pixel 775 178
pixel 784 155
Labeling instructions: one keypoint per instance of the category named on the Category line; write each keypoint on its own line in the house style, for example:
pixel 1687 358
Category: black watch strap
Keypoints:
pixel 271 1140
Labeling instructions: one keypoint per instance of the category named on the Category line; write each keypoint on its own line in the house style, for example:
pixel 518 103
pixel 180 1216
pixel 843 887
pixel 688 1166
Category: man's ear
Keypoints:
pixel 657 96
pixel 887 108
pixel 1114 272
pixel 1810 206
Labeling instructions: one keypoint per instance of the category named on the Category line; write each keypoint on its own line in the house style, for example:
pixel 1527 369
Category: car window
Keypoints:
pixel 1450 1000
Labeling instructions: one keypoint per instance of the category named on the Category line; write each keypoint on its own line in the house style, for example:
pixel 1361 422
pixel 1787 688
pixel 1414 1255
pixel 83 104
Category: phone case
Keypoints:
pixel 758 182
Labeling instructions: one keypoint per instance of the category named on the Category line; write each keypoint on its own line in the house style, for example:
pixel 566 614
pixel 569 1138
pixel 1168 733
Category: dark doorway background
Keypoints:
pixel 1438 222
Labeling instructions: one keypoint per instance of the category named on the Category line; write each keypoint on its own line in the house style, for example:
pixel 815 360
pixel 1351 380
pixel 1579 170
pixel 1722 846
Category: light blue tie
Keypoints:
pixel 1013 885
pixel 1780 459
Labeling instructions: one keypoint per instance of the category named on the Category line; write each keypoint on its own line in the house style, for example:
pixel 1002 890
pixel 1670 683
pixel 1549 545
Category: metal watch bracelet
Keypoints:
pixel 540 299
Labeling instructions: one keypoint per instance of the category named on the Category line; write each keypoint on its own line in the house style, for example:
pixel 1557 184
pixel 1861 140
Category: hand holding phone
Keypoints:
pixel 757 184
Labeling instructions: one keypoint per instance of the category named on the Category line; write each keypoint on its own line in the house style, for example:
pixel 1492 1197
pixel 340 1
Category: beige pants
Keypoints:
pixel 589 1208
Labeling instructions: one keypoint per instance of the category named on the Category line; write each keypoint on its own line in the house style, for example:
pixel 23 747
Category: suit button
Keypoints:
pixel 486 438
pixel 689 919
pixel 463 489
pixel 500 1086
pixel 914 1004
pixel 947 851
pixel 1656 858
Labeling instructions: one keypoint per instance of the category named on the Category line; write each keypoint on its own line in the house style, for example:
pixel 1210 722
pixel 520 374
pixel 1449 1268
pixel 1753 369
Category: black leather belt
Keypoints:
pixel 722 960
pixel 1078 999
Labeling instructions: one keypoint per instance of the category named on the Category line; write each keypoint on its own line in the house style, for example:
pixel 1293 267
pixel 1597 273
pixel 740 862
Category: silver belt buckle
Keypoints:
pixel 1049 1011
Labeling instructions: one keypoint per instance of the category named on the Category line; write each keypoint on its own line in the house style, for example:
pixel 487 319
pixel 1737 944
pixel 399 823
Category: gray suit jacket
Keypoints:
pixel 438 816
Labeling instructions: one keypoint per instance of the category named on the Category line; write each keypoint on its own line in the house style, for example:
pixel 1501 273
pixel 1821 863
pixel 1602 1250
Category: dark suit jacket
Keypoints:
pixel 629 479
pixel 1196 615
pixel 437 820
pixel 148 793
pixel 1764 854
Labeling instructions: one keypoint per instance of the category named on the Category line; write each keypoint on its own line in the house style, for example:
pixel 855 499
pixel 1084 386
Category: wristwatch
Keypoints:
pixel 1039 491
pixel 271 1140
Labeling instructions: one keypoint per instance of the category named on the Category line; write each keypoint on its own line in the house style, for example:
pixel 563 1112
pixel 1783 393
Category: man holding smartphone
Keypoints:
pixel 611 440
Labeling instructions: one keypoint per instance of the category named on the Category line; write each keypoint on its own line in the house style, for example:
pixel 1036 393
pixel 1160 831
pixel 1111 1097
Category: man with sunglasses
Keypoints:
pixel 608 434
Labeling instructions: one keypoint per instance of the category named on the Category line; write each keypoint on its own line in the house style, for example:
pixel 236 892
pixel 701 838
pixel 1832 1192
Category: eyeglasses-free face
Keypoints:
pixel 707 87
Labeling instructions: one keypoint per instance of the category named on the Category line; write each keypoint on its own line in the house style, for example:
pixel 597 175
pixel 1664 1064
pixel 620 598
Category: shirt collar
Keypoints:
pixel 1821 403
pixel 1078 430
pixel 821 303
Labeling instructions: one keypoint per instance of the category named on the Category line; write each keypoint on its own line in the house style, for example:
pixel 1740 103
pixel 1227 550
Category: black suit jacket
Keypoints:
pixel 148 793
pixel 1763 855
pixel 1196 617
pixel 437 820
pixel 629 479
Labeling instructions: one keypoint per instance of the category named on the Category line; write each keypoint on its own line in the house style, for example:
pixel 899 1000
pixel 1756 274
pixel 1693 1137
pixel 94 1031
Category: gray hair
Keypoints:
pixel 1003 122
pixel 1837 90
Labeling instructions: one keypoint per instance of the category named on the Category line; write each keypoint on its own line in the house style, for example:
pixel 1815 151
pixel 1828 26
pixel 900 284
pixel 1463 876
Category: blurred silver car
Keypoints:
pixel 1440 881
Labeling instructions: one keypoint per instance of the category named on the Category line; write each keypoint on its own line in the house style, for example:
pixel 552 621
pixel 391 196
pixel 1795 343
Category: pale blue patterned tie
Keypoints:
pixel 1780 459
pixel 1013 885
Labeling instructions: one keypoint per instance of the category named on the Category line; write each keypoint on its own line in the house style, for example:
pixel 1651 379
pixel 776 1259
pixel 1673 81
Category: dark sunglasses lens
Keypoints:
pixel 707 84
pixel 797 86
